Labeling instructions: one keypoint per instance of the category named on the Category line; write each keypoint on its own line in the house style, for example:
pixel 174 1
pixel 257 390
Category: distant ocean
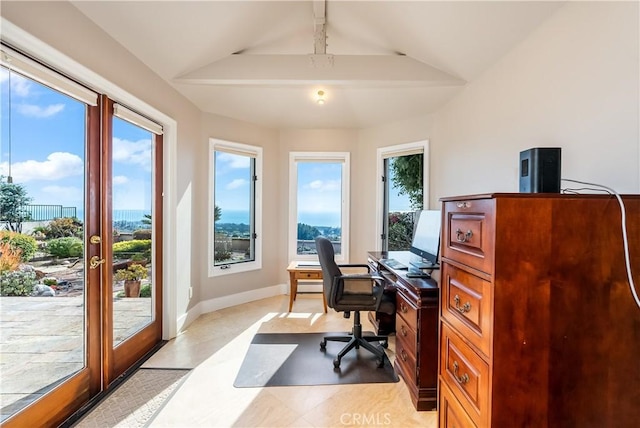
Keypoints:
pixel 312 219
pixel 232 216
pixel 123 215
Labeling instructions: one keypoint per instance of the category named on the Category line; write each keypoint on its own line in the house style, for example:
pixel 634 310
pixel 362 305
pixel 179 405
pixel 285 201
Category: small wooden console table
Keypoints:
pixel 307 272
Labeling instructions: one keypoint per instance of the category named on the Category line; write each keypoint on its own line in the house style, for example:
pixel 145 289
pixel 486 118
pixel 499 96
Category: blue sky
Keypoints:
pixel 47 148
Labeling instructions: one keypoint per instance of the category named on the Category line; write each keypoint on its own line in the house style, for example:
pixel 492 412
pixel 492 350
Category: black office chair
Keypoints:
pixel 352 293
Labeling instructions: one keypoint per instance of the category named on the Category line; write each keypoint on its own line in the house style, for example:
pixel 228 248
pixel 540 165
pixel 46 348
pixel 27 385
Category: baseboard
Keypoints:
pixel 229 301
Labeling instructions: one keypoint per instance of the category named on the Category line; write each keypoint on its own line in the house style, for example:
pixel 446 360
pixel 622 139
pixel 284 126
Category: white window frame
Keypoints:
pixel 245 150
pixel 394 151
pixel 294 158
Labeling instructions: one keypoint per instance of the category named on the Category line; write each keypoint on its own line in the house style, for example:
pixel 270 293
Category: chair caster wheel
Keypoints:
pixel 380 362
pixel 323 345
pixel 336 363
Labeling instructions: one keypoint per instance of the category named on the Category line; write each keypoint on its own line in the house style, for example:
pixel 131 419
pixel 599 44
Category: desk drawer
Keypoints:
pixel 450 412
pixel 309 275
pixel 466 305
pixel 407 311
pixel 469 233
pixel 405 333
pixel 466 373
pixel 407 360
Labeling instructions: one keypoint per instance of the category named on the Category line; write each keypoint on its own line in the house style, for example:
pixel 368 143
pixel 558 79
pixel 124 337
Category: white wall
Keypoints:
pixel 572 84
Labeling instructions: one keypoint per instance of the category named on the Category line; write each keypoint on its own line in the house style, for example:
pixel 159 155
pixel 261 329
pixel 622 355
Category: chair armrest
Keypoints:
pixel 351 265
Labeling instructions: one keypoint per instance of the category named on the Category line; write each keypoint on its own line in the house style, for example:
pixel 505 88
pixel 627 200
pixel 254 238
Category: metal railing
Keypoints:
pixel 49 212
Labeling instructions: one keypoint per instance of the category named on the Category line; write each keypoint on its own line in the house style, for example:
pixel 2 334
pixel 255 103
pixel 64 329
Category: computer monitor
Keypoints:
pixel 426 240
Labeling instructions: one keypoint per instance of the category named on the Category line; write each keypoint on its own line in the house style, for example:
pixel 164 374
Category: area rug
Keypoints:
pixel 137 400
pixel 294 359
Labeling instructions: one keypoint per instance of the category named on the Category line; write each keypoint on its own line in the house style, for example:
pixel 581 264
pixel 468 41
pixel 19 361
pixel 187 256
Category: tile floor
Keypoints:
pixel 214 347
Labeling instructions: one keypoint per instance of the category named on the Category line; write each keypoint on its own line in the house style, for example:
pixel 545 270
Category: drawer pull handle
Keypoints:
pixel 464 308
pixel 464 204
pixel 403 331
pixel 461 379
pixel 403 355
pixel 403 308
pixel 462 236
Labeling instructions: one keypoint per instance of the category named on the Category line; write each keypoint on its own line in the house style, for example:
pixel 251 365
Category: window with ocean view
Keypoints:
pixel 235 207
pixel 319 203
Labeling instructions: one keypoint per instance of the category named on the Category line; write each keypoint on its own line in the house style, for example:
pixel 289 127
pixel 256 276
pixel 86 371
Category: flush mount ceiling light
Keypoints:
pixel 320 97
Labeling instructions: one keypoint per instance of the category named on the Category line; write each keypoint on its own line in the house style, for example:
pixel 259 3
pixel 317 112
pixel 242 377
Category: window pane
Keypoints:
pixel 319 207
pixel 404 195
pixel 234 190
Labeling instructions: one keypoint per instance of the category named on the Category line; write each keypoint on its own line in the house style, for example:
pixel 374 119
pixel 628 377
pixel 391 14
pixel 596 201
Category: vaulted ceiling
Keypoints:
pixel 265 61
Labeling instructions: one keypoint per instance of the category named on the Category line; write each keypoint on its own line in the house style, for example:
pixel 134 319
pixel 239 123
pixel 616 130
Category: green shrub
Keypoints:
pixel 27 245
pixel 142 234
pixel 221 255
pixel 145 290
pixel 63 227
pixel 134 246
pixel 65 247
pixel 17 283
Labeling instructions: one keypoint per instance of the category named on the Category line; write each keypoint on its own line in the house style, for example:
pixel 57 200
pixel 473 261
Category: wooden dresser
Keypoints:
pixel 416 328
pixel 538 327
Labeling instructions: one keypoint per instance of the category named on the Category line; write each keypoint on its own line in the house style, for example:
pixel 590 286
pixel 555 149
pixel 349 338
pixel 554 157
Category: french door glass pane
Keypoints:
pixel 319 210
pixel 132 202
pixel 42 272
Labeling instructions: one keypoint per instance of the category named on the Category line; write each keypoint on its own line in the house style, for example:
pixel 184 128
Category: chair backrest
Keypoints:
pixel 330 269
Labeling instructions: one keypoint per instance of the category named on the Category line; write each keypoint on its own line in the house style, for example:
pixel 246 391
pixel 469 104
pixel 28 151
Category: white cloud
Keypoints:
pixel 233 161
pixel 63 195
pixel 132 152
pixel 323 186
pixel 32 110
pixel 120 179
pixel 57 166
pixel 20 86
pixel 237 183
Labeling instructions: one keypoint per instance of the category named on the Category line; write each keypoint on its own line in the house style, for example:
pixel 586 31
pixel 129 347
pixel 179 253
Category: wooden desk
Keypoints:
pixel 417 315
pixel 300 271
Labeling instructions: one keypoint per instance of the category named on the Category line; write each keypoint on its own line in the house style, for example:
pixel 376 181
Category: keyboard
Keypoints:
pixel 393 264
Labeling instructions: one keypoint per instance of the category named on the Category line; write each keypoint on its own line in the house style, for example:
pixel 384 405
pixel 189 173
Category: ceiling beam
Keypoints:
pixel 353 70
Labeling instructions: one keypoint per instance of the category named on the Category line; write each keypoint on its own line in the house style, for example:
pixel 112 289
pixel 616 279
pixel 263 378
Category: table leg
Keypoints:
pixel 293 289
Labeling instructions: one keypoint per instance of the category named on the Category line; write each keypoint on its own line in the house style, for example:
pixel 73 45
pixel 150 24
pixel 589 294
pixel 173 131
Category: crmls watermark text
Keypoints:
pixel 365 419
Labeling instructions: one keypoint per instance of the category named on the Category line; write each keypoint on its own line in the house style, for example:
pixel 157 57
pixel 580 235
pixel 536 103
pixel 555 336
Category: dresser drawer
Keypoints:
pixel 466 373
pixel 407 311
pixel 466 305
pixel 469 233
pixel 450 412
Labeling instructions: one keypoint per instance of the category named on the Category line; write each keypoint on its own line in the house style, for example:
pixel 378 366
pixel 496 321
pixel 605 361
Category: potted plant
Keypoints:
pixel 132 277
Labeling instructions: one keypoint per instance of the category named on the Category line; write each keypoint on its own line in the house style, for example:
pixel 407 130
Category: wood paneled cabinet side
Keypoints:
pixel 551 317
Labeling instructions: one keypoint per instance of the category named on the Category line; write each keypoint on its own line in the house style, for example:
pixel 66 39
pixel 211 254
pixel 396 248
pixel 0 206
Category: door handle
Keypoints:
pixel 95 261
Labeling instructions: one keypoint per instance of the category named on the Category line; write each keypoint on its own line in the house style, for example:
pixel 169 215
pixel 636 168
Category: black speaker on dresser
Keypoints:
pixel 540 170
